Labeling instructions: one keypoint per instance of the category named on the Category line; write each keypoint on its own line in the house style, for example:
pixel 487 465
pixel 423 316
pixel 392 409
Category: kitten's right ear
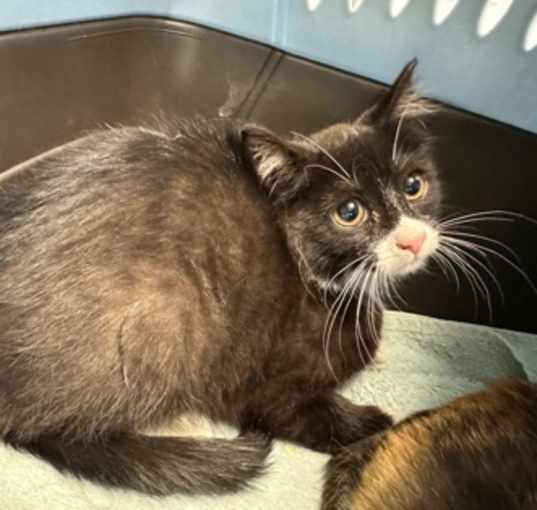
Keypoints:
pixel 278 162
pixel 401 100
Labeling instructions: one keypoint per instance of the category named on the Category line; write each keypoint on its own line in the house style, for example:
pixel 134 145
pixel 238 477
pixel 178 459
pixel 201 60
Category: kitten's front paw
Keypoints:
pixel 371 420
pixel 358 423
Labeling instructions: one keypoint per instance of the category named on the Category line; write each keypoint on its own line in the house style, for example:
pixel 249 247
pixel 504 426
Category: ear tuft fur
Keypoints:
pixel 412 105
pixel 277 162
pixel 401 100
pixel 267 151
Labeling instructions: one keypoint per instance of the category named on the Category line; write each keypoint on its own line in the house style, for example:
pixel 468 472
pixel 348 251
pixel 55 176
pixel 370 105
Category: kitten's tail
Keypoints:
pixel 161 465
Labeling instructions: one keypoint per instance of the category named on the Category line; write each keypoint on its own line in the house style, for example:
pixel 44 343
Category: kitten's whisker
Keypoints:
pixel 473 277
pixel 356 281
pixel 396 137
pixel 357 320
pixel 326 336
pixel 440 263
pixel 361 284
pixel 347 291
pixel 371 299
pixel 385 290
pixel 458 255
pixel 443 261
pixel 391 286
pixel 456 260
pixel 303 262
pixel 495 213
pixel 398 296
pixel 472 221
pixel 361 341
pixel 457 215
pixel 379 302
pixel 480 264
pixel 273 188
pixel 502 257
pixel 482 238
pixel 330 170
pixel 371 307
pixel 345 268
pixel 331 319
pixel 479 248
pixel 324 151
pixel 487 212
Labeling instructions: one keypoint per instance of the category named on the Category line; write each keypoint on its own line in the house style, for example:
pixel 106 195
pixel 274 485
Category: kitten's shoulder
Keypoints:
pixel 122 164
pixel 156 150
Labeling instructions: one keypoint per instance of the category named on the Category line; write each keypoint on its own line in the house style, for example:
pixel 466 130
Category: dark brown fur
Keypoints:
pixel 479 452
pixel 149 274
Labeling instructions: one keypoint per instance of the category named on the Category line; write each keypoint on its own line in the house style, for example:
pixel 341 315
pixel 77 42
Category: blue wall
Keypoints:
pixel 491 76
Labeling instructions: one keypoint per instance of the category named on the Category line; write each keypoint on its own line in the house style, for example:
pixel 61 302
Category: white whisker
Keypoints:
pixel 328 169
pixel 332 316
pixel 508 261
pixel 323 150
pixel 482 238
pixel 376 301
pixel 462 249
pixel 473 258
pixel 333 278
pixel 356 281
pixel 386 290
pixel 487 270
pixel 393 289
pixel 460 263
pixel 441 265
pixel 491 215
pixel 371 306
pixel 361 340
pixel 442 258
pixel 472 221
pixel 472 275
pixel 396 137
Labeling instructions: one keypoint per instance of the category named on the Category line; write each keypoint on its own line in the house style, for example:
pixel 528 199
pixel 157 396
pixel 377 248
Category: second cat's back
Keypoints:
pixel 478 452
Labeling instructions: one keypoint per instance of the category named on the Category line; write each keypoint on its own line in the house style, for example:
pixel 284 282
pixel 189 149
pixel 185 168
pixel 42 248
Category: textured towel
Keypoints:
pixel 422 363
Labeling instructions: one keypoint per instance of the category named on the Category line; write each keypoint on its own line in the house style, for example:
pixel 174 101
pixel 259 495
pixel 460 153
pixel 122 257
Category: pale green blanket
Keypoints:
pixel 422 363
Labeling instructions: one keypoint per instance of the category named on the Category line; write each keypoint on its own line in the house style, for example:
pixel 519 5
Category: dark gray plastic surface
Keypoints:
pixel 58 82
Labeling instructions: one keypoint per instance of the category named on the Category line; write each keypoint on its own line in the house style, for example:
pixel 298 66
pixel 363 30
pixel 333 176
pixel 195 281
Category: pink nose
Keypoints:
pixel 411 239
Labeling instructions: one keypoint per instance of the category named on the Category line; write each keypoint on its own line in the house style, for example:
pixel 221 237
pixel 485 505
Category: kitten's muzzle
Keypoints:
pixel 410 239
pixel 407 247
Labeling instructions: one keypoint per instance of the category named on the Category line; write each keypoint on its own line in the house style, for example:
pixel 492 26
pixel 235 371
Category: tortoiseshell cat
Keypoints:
pixel 147 275
pixel 478 452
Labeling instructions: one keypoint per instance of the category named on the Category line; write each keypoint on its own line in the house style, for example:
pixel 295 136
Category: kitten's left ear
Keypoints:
pixel 278 162
pixel 400 100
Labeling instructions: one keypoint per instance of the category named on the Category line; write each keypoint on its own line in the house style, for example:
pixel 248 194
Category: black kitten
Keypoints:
pixel 479 452
pixel 146 275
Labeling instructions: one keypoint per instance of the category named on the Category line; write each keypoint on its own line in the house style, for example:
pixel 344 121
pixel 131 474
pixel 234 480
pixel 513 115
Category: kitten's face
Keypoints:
pixel 358 198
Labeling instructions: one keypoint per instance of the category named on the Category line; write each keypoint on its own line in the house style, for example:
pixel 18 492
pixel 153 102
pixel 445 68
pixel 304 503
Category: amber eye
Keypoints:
pixel 350 214
pixel 415 187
